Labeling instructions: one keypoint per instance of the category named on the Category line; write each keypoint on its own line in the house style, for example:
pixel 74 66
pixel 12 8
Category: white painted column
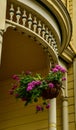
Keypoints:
pixel 3 4
pixel 52 114
pixel 65 113
pixel 64 101
pixel 65 106
pixel 1 40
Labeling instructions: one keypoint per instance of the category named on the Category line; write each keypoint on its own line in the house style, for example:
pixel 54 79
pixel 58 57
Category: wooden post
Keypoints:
pixel 52 114
pixel 1 40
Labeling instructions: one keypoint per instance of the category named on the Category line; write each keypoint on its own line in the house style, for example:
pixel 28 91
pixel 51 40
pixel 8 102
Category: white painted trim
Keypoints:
pixel 33 34
pixel 65 113
pixel 44 13
pixel 3 4
pixel 52 114
pixel 1 41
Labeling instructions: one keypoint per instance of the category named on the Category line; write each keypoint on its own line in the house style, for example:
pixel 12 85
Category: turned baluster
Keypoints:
pixel 46 34
pixel 24 17
pixel 11 12
pixel 55 46
pixel 34 24
pixel 43 31
pixel 18 14
pixel 29 21
pixel 39 27
pixel 49 37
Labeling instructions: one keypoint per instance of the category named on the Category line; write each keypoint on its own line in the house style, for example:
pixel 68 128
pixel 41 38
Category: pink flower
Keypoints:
pixel 63 70
pixel 39 108
pixel 55 70
pixel 15 86
pixel 58 67
pixel 29 88
pixel 63 79
pixel 32 84
pixel 15 77
pixel 48 106
pixel 37 82
pixel 51 85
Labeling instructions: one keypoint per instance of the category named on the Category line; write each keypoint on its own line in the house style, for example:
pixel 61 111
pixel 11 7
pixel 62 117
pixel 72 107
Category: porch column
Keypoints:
pixel 65 113
pixel 52 114
pixel 1 40
pixel 65 106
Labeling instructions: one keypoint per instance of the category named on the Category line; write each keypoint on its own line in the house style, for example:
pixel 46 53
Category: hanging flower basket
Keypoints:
pixel 30 88
pixel 50 93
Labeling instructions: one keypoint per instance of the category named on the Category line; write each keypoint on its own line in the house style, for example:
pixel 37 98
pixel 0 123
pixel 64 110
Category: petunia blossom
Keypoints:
pixel 15 77
pixel 63 79
pixel 39 108
pixel 51 85
pixel 38 83
pixel 55 70
pixel 29 88
pixel 48 106
pixel 58 67
pixel 63 70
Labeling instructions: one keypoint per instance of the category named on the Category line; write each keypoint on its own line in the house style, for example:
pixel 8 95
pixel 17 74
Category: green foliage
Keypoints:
pixel 30 88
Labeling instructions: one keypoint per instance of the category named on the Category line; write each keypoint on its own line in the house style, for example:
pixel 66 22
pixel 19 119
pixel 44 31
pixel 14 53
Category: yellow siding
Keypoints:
pixel 71 105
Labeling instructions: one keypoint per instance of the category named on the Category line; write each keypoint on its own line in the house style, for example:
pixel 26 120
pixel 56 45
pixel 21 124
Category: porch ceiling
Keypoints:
pixel 21 53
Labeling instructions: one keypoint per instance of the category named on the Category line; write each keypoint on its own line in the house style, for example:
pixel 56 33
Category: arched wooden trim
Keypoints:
pixel 50 51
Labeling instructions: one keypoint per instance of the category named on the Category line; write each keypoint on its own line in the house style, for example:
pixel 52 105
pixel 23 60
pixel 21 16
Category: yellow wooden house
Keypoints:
pixel 34 35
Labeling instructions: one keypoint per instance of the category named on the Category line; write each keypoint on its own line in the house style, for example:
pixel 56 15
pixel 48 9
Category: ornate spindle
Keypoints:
pixel 46 34
pixel 53 43
pixel 49 37
pixel 43 31
pixel 18 14
pixel 39 27
pixel 29 21
pixel 55 46
pixel 34 24
pixel 11 12
pixel 24 16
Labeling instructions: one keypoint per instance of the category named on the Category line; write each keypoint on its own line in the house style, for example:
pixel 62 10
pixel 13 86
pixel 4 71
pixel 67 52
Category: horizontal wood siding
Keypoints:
pixel 71 105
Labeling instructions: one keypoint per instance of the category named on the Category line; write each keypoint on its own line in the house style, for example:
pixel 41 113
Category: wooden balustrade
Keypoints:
pixel 32 22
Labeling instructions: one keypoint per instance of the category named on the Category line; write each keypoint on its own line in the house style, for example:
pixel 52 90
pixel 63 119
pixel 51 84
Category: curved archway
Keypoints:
pixel 21 53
